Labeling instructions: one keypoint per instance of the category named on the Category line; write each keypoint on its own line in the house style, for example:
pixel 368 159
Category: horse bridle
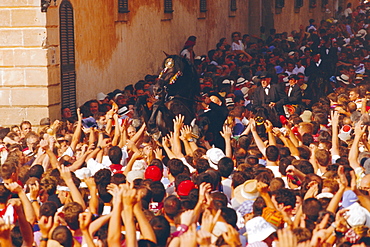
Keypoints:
pixel 169 64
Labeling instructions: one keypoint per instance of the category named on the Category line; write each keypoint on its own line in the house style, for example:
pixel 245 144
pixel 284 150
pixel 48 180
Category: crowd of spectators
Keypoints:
pixel 279 154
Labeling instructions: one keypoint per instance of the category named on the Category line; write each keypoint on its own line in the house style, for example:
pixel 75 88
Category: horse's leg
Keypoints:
pixel 141 112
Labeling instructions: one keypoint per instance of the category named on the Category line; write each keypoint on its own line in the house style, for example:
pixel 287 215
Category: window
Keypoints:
pixel 203 5
pixel 123 6
pixel 324 3
pixel 312 4
pixel 67 55
pixel 298 3
pixel 168 6
pixel 233 5
pixel 279 4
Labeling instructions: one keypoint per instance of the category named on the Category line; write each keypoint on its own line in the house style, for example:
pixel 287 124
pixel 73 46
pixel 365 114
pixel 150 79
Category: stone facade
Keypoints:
pixel 28 83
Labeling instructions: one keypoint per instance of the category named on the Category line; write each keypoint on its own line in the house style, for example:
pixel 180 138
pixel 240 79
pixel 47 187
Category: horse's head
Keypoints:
pixel 178 77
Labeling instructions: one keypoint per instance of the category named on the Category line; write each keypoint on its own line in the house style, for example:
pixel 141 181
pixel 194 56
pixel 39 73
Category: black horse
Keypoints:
pixel 175 89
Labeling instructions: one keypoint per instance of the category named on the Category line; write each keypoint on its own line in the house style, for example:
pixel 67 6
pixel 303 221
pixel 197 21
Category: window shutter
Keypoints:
pixel 279 3
pixel 168 6
pixel 312 4
pixel 123 6
pixel 203 5
pixel 67 56
pixel 323 3
pixel 298 3
pixel 233 5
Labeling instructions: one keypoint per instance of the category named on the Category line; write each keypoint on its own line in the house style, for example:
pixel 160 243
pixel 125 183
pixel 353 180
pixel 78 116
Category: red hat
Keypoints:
pixel 184 188
pixel 189 43
pixel 153 172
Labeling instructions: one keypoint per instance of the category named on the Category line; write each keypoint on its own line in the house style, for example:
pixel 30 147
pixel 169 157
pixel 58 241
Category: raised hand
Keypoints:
pixel 231 236
pixel 187 217
pixel 209 221
pixel 34 190
pixel 186 133
pixel 65 173
pixel 286 238
pixel 45 224
pixel 158 153
pixel 268 126
pixel 84 220
pixel 129 196
pixel 359 129
pixel 178 122
pixel 226 132
pixel 14 187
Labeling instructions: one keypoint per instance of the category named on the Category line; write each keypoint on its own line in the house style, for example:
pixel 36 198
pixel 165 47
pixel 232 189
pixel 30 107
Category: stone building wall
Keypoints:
pixel 28 86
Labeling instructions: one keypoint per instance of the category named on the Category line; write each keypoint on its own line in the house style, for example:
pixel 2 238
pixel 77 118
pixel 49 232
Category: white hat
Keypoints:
pixel 132 175
pixel 245 91
pixel 139 165
pixel 123 110
pixel 324 195
pixel 361 33
pixel 343 78
pixel 240 81
pixel 358 215
pixel 228 82
pixel 306 116
pixel 258 229
pixel 116 96
pixel 214 155
pixel 246 191
pixel 101 96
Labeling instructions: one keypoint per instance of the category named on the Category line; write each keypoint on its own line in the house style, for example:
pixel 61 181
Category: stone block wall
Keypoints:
pixel 28 78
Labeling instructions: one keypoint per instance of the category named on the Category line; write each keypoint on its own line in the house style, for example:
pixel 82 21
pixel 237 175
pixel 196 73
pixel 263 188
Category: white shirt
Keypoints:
pixel 297 70
pixel 237 47
pixel 95 166
pixel 347 12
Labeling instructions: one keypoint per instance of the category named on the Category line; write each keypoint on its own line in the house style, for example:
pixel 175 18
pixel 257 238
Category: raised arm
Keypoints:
pixel 187 139
pixel 269 127
pixel 129 200
pixel 146 229
pixel 134 157
pixel 334 136
pixel 94 200
pixel 85 220
pixel 24 225
pixel 77 134
pixel 178 123
pixel 260 144
pixel 27 206
pixel 117 131
pixel 115 223
pixel 287 142
pixel 125 124
pixel 137 135
pixel 353 152
pixel 166 148
pixel 53 159
pixel 65 173
pixel 34 193
pixel 226 133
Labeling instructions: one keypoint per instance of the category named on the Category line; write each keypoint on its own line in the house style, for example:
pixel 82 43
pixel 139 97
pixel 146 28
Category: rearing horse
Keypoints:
pixel 176 89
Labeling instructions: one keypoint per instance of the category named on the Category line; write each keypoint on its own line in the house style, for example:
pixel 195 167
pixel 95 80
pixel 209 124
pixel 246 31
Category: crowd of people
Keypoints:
pixel 278 155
